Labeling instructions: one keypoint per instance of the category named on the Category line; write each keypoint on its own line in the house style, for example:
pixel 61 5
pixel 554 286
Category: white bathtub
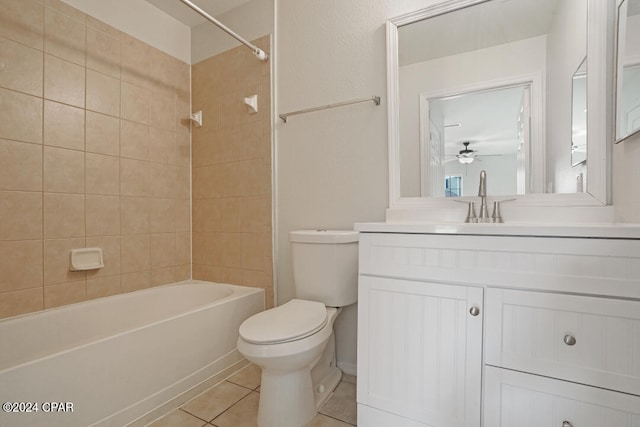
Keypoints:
pixel 115 359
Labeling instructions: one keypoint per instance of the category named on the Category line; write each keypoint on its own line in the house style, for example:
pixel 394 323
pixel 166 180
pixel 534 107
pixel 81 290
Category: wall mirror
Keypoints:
pixel 579 115
pixel 628 78
pixel 490 84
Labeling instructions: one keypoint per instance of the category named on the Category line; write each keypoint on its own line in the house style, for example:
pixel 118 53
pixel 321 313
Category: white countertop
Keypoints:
pixel 602 231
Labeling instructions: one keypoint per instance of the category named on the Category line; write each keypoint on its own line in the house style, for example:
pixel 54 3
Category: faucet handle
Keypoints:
pixel 471 213
pixel 496 216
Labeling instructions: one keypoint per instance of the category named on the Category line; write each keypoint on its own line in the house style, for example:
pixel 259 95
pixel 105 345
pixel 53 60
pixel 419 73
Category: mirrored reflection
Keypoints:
pixel 462 58
pixel 579 115
pixel 478 130
pixel 628 102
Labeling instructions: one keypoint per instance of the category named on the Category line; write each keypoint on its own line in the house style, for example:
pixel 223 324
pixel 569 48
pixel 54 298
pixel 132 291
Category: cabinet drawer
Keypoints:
pixel 589 340
pixel 518 399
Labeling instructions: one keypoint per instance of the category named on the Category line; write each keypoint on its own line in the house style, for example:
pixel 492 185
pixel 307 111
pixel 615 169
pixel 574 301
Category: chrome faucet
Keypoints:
pixel 482 193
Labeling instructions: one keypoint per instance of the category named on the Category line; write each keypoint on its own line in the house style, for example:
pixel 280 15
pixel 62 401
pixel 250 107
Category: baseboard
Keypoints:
pixel 348 368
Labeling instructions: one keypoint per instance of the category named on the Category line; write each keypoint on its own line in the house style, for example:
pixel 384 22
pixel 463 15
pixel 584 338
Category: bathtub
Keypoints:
pixel 110 361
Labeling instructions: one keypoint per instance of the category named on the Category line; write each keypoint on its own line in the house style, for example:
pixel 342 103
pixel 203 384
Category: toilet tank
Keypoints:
pixel 325 266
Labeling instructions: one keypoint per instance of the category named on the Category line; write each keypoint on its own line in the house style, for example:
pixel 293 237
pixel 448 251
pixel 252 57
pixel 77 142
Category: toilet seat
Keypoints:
pixel 292 321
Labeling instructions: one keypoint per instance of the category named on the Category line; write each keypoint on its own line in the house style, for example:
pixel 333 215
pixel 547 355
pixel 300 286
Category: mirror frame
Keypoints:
pixel 601 17
pixel 619 61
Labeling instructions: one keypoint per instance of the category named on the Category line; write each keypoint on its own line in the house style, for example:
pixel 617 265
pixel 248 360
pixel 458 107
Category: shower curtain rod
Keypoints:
pixel 259 53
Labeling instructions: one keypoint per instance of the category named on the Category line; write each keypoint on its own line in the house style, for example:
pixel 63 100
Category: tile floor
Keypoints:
pixel 234 403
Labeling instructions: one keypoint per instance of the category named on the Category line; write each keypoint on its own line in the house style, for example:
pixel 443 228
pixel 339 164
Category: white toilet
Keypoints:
pixel 294 343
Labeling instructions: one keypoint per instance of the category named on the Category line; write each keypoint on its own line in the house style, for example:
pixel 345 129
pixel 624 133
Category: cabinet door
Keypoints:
pixel 420 350
pixel 517 399
pixel 589 340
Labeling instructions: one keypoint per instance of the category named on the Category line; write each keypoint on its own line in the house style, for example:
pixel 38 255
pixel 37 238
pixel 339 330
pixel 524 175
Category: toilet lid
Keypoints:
pixel 289 322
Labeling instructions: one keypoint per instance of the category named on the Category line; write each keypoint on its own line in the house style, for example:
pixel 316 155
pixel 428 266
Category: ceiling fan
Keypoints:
pixel 466 155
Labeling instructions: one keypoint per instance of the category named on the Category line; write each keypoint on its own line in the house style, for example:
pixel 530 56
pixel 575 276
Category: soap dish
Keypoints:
pixel 85 259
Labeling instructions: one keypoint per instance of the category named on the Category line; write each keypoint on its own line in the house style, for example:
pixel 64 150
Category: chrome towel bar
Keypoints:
pixel 375 99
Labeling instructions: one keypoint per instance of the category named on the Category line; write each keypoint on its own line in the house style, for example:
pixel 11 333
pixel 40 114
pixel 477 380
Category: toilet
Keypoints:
pixel 294 343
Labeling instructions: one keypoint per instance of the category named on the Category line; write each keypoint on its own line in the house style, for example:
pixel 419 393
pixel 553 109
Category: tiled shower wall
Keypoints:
pixel 232 171
pixel 94 151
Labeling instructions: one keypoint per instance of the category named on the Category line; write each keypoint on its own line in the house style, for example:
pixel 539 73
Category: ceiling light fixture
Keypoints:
pixel 465 160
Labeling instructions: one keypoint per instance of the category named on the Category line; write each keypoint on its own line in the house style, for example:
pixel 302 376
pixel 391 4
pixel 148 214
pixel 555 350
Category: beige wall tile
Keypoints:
pixel 102 215
pixel 134 140
pixel 183 215
pixel 56 261
pixel 103 49
pixel 135 253
pixel 65 9
pixel 136 281
pixel 252 253
pixel 135 60
pixel 98 25
pixel 63 125
pixel 22 67
pixel 63 215
pixel 20 302
pixel 163 276
pixel 102 174
pixel 162 146
pixel 162 113
pixel 63 170
pixel 183 148
pixel 103 287
pixel 162 215
pixel 183 182
pixel 134 178
pixel 230 215
pixel 20 166
pixel 103 93
pixel 183 248
pixel 20 117
pixel 64 294
pixel 135 103
pixel 163 250
pixel 22 21
pixel 110 246
pixel 64 81
pixel 162 180
pixel 135 216
pixel 102 134
pixel 183 272
pixel 64 37
pixel 252 214
pixel 231 245
pixel 21 264
pixel 21 214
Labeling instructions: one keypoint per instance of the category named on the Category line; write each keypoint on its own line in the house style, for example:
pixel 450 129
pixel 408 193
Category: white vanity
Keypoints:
pixel 498 325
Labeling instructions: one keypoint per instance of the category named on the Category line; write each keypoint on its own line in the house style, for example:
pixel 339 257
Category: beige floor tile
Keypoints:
pixel 178 418
pixel 248 376
pixel 215 401
pixel 342 404
pixel 242 414
pixel 324 421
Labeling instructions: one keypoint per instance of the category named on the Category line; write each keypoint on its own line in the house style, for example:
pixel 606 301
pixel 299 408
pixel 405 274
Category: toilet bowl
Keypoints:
pixel 294 343
pixel 289 357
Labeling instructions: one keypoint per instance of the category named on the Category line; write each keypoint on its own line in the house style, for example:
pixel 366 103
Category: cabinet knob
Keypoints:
pixel 567 424
pixel 569 340
pixel 474 311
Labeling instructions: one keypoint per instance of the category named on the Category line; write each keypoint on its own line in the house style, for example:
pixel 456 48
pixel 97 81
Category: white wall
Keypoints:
pixel 453 72
pixel 251 21
pixel 567 47
pixel 332 165
pixel 142 21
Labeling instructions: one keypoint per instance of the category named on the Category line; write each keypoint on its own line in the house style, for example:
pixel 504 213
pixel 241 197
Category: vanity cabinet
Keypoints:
pixel 555 339
pixel 419 359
